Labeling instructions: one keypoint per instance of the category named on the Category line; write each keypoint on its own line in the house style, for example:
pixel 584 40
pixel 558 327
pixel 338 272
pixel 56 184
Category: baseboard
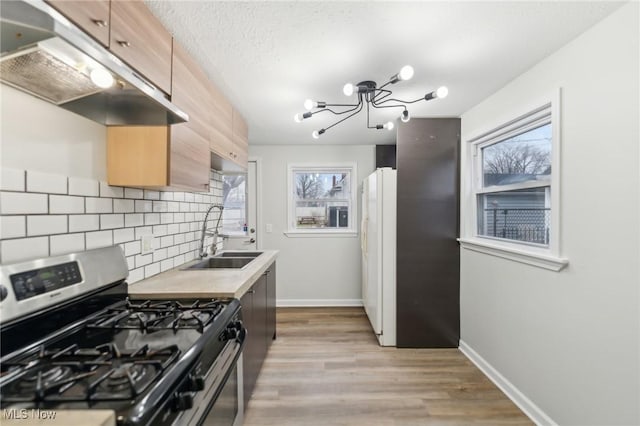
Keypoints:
pixel 534 412
pixel 317 303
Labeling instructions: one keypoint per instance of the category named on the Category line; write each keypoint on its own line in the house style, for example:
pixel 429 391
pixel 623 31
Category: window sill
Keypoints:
pixel 321 234
pixel 539 260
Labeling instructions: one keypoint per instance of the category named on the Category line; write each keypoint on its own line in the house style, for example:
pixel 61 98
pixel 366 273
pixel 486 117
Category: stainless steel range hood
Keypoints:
pixel 45 55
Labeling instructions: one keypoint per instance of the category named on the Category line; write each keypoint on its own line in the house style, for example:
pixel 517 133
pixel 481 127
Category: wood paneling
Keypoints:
pixel 91 16
pixel 137 156
pixel 221 118
pixel 428 263
pixel 326 368
pixel 240 140
pixel 139 39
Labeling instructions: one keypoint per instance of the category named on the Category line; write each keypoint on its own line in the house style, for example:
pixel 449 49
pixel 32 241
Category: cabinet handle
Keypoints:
pixel 251 291
pixel 100 22
pixel 124 43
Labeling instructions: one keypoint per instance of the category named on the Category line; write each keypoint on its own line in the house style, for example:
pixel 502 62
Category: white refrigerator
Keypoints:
pixel 378 243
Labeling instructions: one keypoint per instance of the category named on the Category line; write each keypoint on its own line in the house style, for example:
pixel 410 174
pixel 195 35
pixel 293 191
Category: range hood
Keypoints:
pixel 45 55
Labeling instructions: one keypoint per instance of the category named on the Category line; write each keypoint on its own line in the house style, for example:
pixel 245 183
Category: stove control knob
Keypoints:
pixel 228 334
pixel 3 292
pixel 196 382
pixel 183 401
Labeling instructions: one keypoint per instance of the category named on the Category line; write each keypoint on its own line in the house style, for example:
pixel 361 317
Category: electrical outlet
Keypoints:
pixel 269 227
pixel 147 244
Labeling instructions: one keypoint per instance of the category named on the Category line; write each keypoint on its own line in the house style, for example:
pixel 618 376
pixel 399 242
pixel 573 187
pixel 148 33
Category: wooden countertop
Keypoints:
pixel 204 283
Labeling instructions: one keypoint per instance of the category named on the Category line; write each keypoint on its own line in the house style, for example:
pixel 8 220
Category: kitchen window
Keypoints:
pixel 512 207
pixel 321 199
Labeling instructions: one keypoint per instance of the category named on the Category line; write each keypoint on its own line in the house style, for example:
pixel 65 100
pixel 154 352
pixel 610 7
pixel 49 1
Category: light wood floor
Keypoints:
pixel 327 369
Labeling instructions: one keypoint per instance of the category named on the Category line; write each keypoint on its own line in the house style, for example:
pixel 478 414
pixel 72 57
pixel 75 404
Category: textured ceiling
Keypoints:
pixel 268 57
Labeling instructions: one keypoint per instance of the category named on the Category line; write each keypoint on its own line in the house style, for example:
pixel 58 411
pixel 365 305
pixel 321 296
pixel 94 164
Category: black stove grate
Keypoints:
pixel 152 316
pixel 103 373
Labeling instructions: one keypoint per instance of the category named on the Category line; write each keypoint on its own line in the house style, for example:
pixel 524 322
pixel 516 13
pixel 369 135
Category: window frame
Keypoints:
pixel 338 167
pixel 544 111
pixel 222 229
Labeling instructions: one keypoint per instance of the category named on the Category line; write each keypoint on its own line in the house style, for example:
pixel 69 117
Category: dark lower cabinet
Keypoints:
pixel 259 316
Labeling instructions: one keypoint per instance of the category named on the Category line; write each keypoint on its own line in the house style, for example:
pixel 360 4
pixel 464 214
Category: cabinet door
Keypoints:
pixel 240 140
pixel 91 16
pixel 190 160
pixel 271 304
pixel 139 39
pixel 220 115
pixel 250 351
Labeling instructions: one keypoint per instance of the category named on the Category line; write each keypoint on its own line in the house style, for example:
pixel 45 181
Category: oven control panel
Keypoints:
pixel 44 280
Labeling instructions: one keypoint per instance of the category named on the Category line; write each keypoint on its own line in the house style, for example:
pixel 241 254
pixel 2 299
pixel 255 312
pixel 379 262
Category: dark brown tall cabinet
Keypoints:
pixel 428 258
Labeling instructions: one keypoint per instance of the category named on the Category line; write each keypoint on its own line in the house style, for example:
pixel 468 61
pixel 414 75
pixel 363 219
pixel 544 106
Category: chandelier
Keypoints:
pixel 369 95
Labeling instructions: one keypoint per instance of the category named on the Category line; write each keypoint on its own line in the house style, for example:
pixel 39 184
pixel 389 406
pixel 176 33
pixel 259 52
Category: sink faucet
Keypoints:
pixel 202 252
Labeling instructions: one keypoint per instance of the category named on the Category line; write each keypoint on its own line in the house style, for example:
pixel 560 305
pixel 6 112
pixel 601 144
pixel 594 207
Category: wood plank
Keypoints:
pixel 137 155
pixel 326 368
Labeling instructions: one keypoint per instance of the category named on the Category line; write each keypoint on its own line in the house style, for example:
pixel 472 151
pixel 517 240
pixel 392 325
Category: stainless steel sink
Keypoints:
pixel 239 254
pixel 221 263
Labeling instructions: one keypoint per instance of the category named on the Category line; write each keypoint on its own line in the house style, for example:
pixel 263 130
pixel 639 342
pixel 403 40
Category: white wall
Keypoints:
pixel 41 136
pixel 320 271
pixel 570 340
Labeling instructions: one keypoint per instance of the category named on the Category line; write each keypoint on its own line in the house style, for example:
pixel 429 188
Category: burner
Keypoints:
pixel 57 373
pixel 125 376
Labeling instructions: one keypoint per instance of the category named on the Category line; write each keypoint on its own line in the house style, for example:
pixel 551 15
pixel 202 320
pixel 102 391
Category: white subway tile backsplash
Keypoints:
pixel 99 205
pixel 152 218
pixel 135 275
pixel 111 191
pixel 133 193
pixel 166 241
pixel 67 243
pixel 151 195
pixel 12 251
pixel 83 186
pixel 65 204
pixel 22 203
pixel 144 206
pixel 74 214
pixel 85 222
pixel 122 206
pixel 160 254
pixel 99 239
pixel 132 248
pixel 123 235
pixel 143 260
pixel 46 182
pixel 143 231
pixel 133 219
pixel 165 265
pixel 12 227
pixel 160 230
pixel 111 221
pixel 46 225
pixel 159 206
pixel 12 179
pixel 151 270
pixel 173 251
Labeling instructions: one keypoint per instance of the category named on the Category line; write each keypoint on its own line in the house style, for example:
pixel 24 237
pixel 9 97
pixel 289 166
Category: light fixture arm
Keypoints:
pixel 346 118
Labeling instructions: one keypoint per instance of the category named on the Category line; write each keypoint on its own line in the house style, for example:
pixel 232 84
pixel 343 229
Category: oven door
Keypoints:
pixel 220 403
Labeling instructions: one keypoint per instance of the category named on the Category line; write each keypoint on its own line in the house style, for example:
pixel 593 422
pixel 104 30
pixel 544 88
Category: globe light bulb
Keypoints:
pixel 389 125
pixel 315 134
pixel 101 78
pixel 297 118
pixel 348 89
pixel 309 104
pixel 405 116
pixel 442 92
pixel 406 73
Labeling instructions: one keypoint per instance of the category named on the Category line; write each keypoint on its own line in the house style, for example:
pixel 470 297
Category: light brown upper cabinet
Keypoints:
pixel 92 16
pixel 240 140
pixel 220 115
pixel 190 159
pixel 139 39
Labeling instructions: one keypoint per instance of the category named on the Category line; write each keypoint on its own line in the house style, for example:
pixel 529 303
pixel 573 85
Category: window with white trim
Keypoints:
pixel 322 198
pixel 510 198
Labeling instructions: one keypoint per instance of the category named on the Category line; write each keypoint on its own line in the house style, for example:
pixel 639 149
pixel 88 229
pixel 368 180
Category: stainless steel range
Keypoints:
pixel 71 339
